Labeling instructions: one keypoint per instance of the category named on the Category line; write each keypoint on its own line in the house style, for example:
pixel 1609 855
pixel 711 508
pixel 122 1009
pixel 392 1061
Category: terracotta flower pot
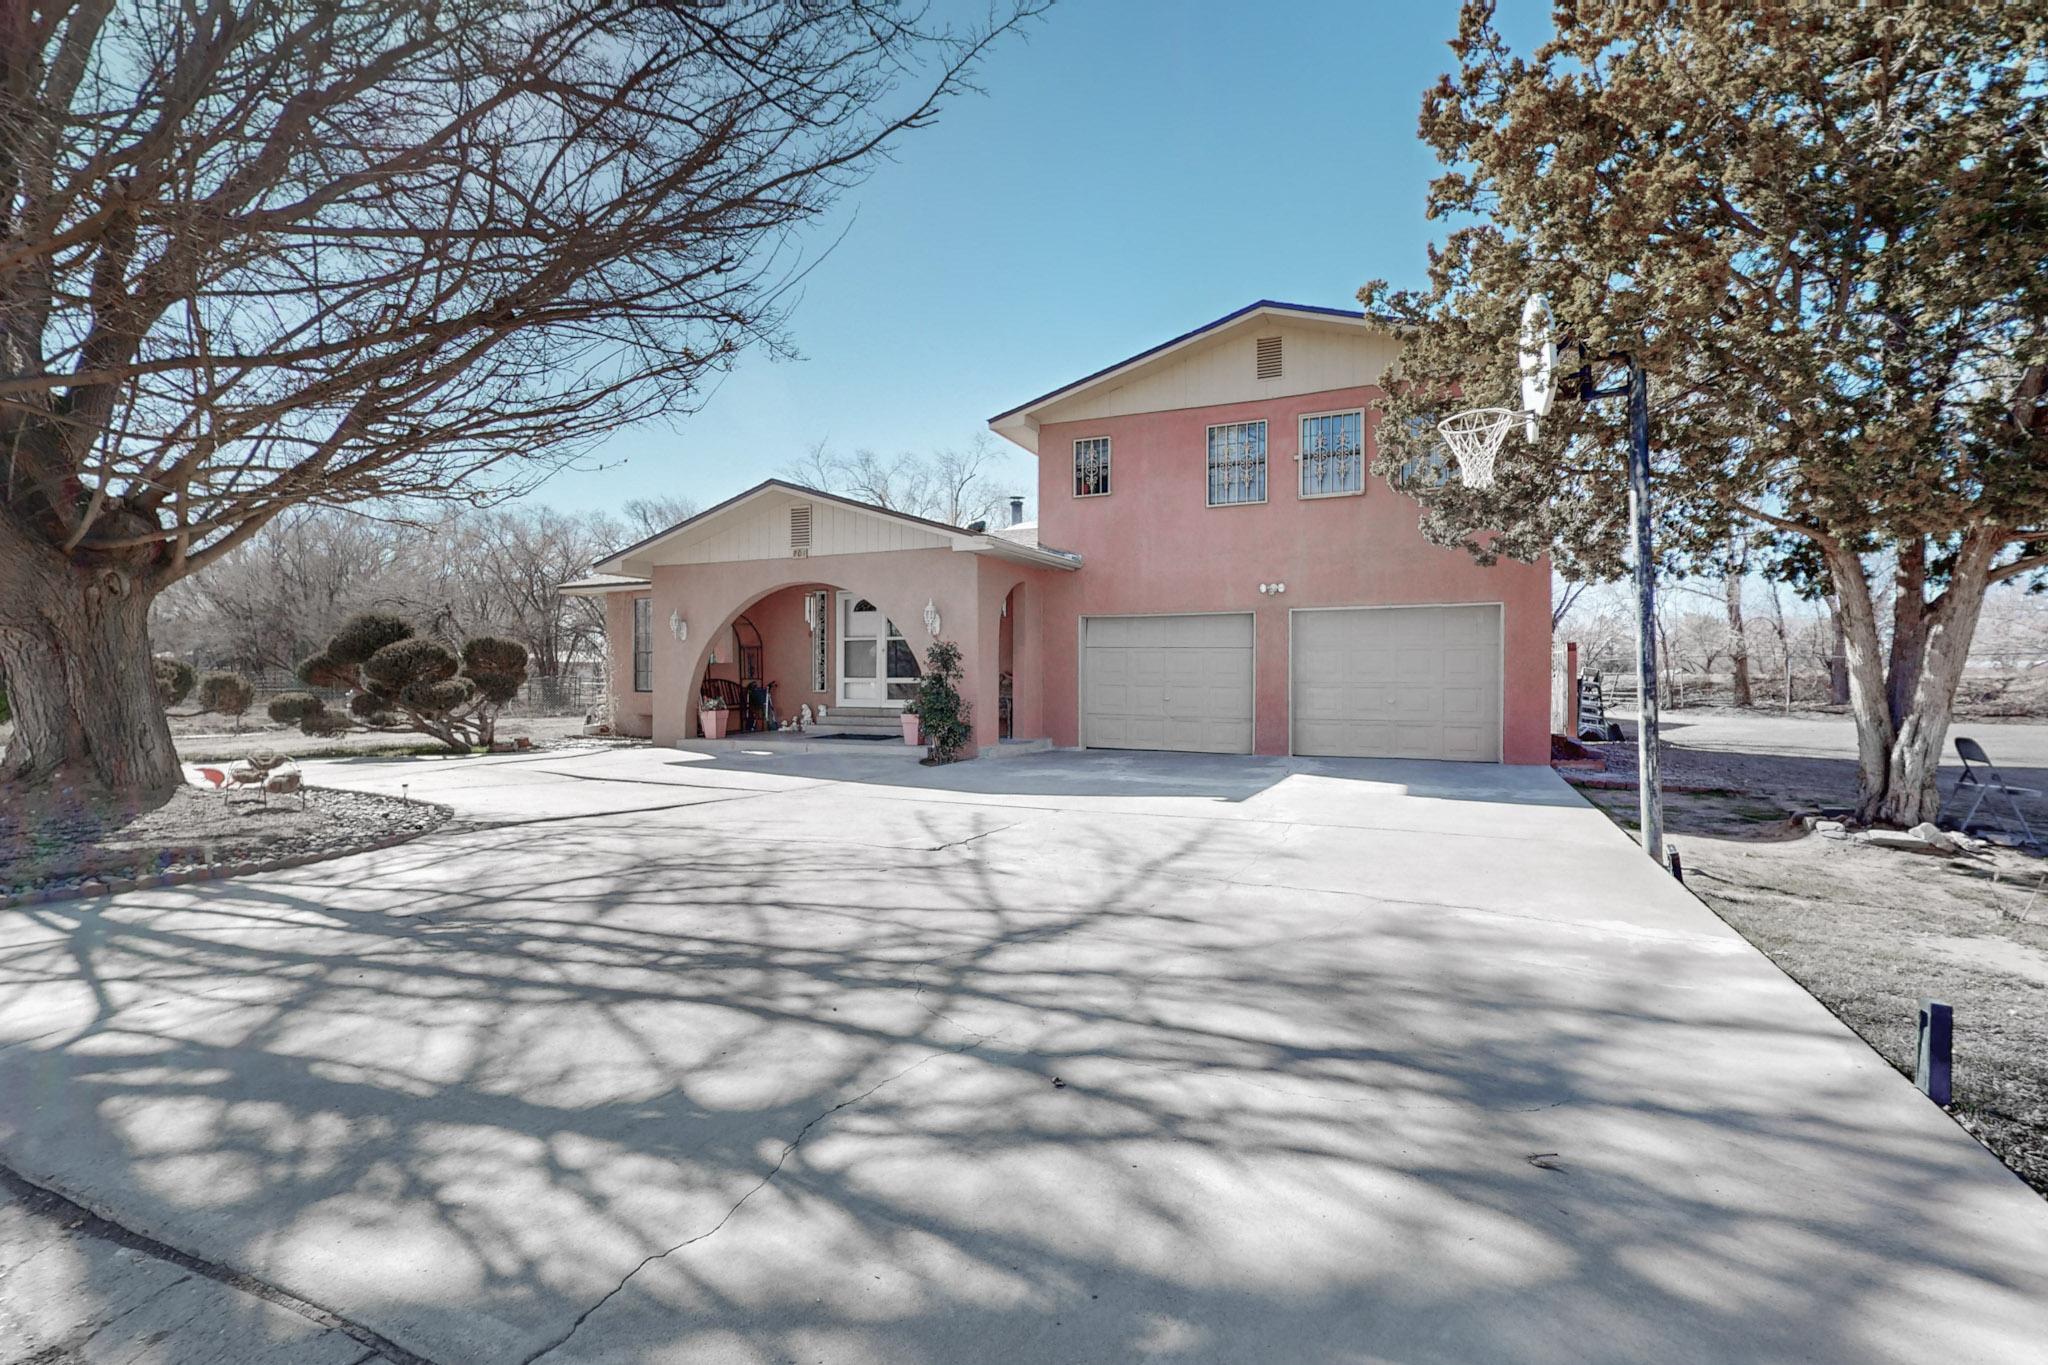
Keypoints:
pixel 712 723
pixel 910 735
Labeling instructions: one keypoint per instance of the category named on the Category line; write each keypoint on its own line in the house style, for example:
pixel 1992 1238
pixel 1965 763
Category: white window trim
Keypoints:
pixel 1108 465
pixel 1243 502
pixel 1363 463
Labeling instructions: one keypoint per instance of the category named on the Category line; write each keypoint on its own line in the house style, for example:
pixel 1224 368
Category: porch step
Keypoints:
pixel 843 722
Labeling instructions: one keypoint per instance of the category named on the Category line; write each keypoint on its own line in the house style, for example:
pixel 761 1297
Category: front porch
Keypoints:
pixel 774 607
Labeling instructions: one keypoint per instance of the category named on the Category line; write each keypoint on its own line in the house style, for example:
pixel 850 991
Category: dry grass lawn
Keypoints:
pixel 1870 932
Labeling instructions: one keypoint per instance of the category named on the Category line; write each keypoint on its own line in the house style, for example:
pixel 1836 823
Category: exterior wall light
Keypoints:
pixel 678 626
pixel 931 618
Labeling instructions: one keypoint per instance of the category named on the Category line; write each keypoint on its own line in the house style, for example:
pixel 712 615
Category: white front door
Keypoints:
pixel 876 667
pixel 862 643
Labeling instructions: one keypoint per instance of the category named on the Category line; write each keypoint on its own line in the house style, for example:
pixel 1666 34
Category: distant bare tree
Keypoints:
pixel 315 252
pixel 956 485
pixel 651 516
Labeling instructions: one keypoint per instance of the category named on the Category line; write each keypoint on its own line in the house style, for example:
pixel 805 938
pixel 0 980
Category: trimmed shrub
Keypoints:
pixel 228 694
pixel 439 694
pixel 321 671
pixel 290 708
pixel 403 663
pixel 367 706
pixel 174 680
pixel 364 634
pixel 322 724
pixel 497 667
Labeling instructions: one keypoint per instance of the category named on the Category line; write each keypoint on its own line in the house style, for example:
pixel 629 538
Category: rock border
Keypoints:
pixel 214 872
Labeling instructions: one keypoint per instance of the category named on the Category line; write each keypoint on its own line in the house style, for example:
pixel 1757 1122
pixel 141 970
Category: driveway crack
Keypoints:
pixel 781 1159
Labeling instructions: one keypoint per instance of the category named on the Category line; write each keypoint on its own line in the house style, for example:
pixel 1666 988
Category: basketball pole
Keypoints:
pixel 1649 782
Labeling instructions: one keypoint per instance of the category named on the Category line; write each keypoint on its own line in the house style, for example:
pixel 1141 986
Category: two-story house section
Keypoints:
pixel 1247 585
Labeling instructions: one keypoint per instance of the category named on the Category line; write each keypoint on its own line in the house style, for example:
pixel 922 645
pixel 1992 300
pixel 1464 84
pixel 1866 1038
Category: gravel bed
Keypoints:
pixel 84 850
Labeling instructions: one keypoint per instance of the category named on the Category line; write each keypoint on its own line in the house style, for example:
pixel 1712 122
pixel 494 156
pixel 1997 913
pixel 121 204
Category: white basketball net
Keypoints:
pixel 1475 436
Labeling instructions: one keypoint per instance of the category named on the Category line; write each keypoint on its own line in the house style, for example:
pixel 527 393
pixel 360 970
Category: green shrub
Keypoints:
pixel 174 680
pixel 227 694
pixel 289 708
pixel 496 666
pixel 941 711
pixel 323 724
pixel 363 635
pixel 403 663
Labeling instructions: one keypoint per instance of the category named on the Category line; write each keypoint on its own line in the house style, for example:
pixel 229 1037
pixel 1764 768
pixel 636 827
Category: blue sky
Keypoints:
pixel 1133 169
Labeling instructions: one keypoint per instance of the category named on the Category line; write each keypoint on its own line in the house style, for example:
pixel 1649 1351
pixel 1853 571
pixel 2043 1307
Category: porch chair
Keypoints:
pixel 1982 779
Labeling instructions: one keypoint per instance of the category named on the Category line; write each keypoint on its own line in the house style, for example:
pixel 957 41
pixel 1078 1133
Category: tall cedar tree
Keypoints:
pixel 1821 226
pixel 262 253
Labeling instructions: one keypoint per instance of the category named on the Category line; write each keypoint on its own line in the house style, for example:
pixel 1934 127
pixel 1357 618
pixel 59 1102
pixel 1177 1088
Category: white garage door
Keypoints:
pixel 1167 682
pixel 1398 682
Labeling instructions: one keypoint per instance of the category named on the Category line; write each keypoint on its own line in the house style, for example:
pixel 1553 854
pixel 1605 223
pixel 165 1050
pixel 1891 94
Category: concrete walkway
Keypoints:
pixel 1075 1057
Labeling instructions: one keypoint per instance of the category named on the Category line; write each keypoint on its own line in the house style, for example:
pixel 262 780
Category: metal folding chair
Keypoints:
pixel 1984 780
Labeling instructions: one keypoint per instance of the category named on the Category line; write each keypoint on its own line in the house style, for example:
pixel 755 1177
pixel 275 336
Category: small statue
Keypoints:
pixel 803 717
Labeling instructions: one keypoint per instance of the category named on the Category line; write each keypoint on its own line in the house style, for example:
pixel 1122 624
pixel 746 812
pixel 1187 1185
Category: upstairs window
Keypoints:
pixel 1237 464
pixel 1091 467
pixel 1332 454
pixel 643 644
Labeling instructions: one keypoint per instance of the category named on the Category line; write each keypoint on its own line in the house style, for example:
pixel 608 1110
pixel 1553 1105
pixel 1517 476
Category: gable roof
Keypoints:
pixel 962 538
pixel 1019 424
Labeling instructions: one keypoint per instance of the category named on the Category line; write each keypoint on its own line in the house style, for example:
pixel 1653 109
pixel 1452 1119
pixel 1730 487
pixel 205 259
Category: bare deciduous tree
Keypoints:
pixel 956 485
pixel 290 252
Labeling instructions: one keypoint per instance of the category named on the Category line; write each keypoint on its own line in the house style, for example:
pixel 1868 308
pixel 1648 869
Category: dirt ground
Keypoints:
pixel 55 845
pixel 1871 932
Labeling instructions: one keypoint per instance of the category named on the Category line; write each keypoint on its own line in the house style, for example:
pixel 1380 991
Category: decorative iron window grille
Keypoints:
pixel 643 644
pixel 1332 454
pixel 1237 463
pixel 1091 467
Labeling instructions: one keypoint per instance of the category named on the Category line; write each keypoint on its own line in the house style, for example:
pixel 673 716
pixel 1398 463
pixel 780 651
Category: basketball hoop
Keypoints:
pixel 1475 436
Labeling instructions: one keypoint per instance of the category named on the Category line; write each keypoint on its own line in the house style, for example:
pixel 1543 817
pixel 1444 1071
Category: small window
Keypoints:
pixel 1269 358
pixel 1091 467
pixel 1332 454
pixel 1237 464
pixel 643 644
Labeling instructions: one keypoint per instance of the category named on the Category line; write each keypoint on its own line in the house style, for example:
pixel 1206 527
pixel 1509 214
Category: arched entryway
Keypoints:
pixel 820 654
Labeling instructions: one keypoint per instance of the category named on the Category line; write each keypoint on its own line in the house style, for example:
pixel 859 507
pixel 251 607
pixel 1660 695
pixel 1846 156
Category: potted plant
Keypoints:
pixel 711 717
pixel 941 710
pixel 910 724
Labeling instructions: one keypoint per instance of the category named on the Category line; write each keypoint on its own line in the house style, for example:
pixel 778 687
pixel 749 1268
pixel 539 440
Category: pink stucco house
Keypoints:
pixel 1213 569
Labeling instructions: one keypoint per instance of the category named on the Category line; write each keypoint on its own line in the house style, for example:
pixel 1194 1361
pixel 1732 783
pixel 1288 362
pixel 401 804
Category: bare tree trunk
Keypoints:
pixel 1946 629
pixel 1738 641
pixel 1865 659
pixel 1909 628
pixel 74 645
pixel 1838 661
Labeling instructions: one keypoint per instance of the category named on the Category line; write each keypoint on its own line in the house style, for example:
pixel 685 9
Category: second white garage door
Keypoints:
pixel 1167 682
pixel 1398 682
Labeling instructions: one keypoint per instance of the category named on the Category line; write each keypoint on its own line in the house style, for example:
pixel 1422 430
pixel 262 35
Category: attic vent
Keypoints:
pixel 800 531
pixel 1269 357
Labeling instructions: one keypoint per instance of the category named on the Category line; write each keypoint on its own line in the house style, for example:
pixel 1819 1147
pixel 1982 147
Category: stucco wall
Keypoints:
pixel 1154 545
pixel 967 589
pixel 632 712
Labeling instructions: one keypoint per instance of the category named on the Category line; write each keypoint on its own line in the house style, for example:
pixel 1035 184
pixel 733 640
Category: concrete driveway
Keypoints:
pixel 1076 1057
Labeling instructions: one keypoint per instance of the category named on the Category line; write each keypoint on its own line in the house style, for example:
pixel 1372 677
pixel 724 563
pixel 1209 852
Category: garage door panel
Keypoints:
pixel 1189 683
pixel 1397 682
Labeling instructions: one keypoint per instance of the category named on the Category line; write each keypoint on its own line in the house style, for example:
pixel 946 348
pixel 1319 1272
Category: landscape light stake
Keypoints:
pixel 1934 1058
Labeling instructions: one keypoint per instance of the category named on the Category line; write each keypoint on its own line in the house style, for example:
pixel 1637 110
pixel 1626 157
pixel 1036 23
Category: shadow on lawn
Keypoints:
pixel 540 1111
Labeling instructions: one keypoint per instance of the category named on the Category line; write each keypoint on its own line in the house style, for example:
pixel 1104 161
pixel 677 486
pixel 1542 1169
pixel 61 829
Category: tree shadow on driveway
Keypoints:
pixel 1013 1087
